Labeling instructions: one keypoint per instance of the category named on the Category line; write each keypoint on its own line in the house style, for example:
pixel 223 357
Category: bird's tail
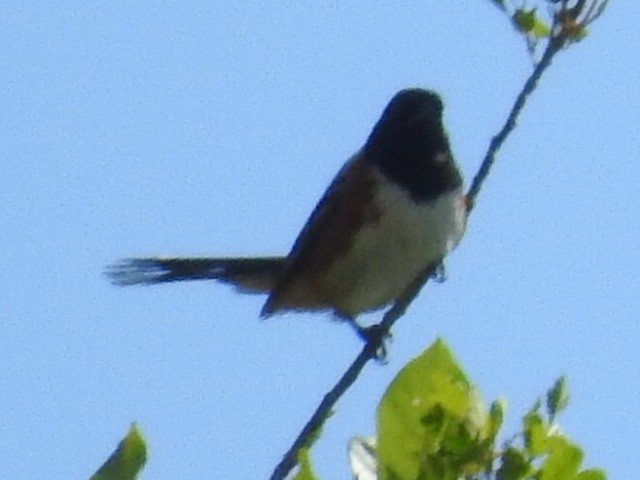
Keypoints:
pixel 249 274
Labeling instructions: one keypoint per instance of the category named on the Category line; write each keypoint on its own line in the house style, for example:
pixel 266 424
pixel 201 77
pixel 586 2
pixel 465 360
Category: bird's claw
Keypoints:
pixel 439 274
pixel 376 337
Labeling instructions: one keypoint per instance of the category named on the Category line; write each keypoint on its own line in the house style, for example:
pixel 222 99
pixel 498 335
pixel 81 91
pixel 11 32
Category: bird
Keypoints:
pixel 394 211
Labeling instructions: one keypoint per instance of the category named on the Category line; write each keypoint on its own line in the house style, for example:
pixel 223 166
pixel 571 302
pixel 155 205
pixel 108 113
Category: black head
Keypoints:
pixel 410 146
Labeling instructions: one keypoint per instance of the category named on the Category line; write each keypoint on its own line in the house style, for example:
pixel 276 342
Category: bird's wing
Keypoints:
pixel 344 209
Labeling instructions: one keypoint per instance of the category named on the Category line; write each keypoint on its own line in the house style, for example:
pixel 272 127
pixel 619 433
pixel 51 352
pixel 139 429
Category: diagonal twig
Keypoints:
pixel 553 47
pixel 368 352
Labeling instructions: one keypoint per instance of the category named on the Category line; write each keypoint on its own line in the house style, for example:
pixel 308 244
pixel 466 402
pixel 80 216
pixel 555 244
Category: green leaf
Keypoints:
pixel 524 20
pixel 580 34
pixel 540 29
pixel 563 461
pixel 128 459
pixel 431 421
pixel 535 433
pixel 591 474
pixel 558 397
pixel 305 472
pixel 514 465
pixel 496 416
pixel 528 22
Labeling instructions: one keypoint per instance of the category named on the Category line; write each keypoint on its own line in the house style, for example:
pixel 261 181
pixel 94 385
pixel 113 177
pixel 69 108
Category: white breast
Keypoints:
pixel 388 255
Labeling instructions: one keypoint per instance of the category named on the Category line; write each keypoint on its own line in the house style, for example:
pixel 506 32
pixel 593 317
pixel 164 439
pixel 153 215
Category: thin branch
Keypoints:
pixel 553 47
pixel 370 351
pixel 564 32
pixel 290 458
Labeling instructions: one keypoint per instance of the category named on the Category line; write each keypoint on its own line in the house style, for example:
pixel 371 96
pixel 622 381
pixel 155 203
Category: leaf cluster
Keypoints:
pixel 433 425
pixel 560 21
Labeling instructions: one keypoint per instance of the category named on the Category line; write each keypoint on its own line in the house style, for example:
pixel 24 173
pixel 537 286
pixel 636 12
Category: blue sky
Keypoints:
pixel 212 128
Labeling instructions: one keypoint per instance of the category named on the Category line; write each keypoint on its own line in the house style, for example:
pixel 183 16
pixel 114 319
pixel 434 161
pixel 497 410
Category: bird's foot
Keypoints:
pixel 439 274
pixel 376 338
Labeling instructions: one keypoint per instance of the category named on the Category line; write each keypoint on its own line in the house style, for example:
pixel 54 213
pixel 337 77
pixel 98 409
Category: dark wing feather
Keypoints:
pixel 346 206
